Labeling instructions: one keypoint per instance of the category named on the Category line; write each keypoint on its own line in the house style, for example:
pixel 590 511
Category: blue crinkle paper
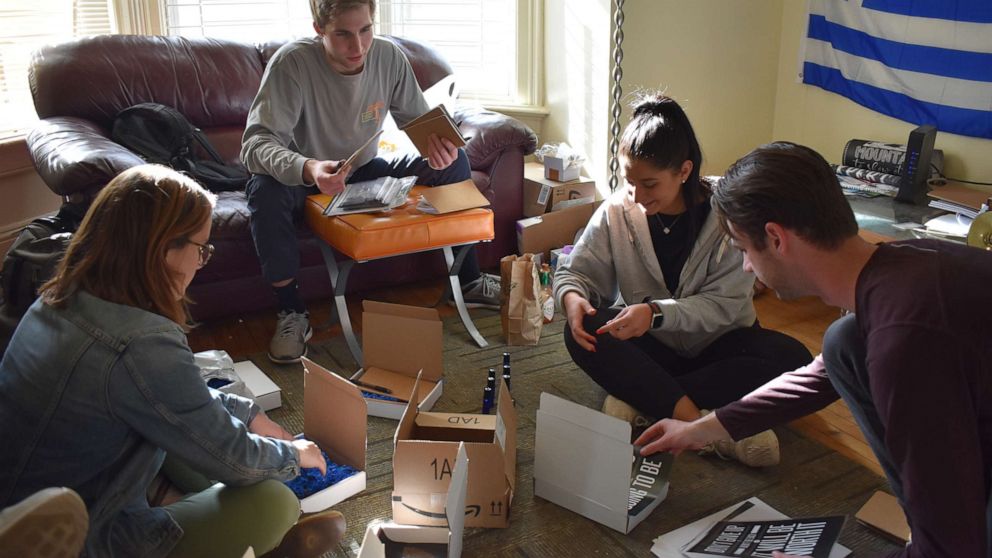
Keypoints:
pixel 311 481
pixel 373 395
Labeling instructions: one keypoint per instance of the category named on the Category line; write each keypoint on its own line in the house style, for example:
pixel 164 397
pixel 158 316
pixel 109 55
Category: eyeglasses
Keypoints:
pixel 206 251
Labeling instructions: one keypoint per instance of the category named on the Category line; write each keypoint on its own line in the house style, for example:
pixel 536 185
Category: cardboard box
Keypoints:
pixel 334 418
pixel 265 392
pixel 393 539
pixel 542 194
pixel 584 461
pixel 555 169
pixel 538 235
pixel 883 512
pixel 425 448
pixel 398 342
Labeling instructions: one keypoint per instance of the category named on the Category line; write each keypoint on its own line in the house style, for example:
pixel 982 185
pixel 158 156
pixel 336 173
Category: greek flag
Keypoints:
pixel 921 61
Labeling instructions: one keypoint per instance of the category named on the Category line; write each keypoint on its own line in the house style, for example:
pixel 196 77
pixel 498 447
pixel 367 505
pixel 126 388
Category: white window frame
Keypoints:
pixel 148 17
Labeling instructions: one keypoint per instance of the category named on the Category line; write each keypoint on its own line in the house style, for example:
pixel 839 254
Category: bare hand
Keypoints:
pixel 632 321
pixel 310 455
pixel 673 436
pixel 264 426
pixel 440 152
pixel 577 308
pixel 328 176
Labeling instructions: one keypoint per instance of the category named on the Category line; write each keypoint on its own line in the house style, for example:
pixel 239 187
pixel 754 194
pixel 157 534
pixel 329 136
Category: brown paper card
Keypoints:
pixel 435 121
pixel 455 197
pixel 883 512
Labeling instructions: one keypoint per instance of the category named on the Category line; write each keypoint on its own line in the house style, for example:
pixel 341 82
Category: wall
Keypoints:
pixel 825 121
pixel 577 79
pixel 24 194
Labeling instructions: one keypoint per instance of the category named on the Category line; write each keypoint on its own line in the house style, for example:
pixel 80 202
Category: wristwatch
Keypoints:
pixel 656 314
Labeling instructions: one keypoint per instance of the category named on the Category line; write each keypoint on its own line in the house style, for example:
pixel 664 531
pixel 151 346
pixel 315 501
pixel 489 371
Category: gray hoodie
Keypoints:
pixel 614 264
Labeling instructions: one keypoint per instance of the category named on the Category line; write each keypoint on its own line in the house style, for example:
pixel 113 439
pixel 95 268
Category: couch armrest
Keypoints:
pixel 490 133
pixel 75 155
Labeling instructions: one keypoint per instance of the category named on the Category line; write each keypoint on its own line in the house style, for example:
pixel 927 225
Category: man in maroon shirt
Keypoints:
pixel 913 361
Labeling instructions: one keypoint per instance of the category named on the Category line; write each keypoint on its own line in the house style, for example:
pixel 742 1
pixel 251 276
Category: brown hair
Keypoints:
pixel 788 184
pixel 325 11
pixel 118 254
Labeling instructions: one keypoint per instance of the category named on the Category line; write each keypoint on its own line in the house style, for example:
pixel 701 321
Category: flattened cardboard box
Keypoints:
pixel 399 341
pixel 542 194
pixel 334 418
pixel 425 446
pixel 539 235
pixel 584 461
pixel 392 539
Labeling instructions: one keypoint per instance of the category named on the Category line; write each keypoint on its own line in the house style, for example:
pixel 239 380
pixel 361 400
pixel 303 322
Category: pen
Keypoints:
pixel 360 383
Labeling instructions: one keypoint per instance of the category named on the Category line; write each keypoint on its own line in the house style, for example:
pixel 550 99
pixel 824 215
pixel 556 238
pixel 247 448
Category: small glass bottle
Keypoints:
pixel 547 296
pixel 489 392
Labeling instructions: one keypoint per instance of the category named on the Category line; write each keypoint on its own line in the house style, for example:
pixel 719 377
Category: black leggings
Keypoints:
pixel 652 377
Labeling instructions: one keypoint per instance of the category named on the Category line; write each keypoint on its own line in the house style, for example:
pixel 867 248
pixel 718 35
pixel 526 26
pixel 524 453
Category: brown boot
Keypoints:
pixel 312 536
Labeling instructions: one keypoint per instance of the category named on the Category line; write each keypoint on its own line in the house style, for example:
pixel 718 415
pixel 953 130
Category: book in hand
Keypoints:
pixel 745 539
pixel 435 121
pixel 370 196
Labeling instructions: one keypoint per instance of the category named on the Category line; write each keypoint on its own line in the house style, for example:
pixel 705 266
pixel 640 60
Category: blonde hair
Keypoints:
pixel 119 252
pixel 325 11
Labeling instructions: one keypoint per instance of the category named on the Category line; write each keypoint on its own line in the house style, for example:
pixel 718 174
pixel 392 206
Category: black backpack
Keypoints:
pixel 161 134
pixel 31 261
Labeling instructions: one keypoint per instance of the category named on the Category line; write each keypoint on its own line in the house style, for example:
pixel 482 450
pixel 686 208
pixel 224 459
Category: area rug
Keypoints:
pixel 811 480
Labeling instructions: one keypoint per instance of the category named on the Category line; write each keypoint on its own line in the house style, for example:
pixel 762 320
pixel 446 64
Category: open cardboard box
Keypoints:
pixel 398 342
pixel 584 461
pixel 425 446
pixel 539 235
pixel 392 539
pixel 541 194
pixel 334 418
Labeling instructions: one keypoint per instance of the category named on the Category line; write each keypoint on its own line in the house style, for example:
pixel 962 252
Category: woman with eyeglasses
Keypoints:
pixel 98 385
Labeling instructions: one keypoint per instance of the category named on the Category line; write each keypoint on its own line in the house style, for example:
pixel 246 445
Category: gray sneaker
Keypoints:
pixel 484 292
pixel 290 340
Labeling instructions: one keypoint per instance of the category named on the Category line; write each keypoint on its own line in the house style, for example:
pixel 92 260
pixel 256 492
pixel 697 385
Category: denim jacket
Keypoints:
pixel 94 394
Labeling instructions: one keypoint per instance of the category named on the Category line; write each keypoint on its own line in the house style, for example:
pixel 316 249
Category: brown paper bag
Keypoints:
pixel 520 302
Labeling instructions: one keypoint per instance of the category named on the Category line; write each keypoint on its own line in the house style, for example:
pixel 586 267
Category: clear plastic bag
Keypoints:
pixel 217 370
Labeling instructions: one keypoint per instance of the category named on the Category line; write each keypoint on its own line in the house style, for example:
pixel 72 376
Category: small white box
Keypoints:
pixel 266 393
pixel 335 418
pixel 584 461
pixel 555 169
pixel 391 539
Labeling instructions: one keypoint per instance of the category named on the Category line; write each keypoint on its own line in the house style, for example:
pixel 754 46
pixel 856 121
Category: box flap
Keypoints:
pixel 335 415
pixel 455 197
pixel 403 339
pixel 506 432
pixel 405 428
pixel 588 418
pixel 454 506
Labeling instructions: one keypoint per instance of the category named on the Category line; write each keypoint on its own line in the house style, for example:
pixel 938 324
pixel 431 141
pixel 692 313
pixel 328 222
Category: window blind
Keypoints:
pixel 25 26
pixel 239 20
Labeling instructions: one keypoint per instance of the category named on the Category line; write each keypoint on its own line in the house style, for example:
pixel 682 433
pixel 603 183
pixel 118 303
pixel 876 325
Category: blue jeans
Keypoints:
pixel 845 355
pixel 275 208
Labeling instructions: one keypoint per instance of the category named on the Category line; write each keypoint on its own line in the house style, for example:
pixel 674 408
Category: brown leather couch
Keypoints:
pixel 79 86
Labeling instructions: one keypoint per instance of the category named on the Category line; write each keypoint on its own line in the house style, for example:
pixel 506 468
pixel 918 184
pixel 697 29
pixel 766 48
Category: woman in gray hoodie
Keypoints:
pixel 659 307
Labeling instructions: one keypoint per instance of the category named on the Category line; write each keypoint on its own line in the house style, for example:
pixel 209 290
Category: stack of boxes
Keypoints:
pixel 554 210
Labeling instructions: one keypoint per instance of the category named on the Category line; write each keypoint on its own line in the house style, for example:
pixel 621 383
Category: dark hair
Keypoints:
pixel 788 184
pixel 659 132
pixel 326 11
pixel 119 252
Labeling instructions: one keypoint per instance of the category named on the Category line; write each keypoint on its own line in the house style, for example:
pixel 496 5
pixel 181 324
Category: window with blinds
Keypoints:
pixel 26 25
pixel 478 37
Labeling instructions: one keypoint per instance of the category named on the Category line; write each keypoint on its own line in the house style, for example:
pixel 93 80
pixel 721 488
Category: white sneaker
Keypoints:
pixel 51 523
pixel 484 292
pixel 760 450
pixel 625 412
pixel 290 340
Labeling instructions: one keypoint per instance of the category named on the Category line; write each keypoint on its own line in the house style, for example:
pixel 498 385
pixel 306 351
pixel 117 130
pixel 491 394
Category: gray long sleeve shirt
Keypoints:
pixel 615 260
pixel 306 110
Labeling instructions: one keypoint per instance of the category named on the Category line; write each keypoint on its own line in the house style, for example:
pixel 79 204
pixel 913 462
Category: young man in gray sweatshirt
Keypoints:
pixel 320 99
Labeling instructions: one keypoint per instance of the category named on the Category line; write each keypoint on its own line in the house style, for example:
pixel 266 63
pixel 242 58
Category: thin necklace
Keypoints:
pixel 667 229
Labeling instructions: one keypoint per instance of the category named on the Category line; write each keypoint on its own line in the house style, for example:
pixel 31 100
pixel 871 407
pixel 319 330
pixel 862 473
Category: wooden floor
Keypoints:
pixel 804 319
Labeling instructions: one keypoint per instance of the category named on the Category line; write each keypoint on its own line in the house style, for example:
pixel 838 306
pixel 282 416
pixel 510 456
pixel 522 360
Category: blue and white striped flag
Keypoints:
pixel 921 61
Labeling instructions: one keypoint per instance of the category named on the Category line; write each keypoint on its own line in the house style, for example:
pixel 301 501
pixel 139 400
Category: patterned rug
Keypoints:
pixel 811 480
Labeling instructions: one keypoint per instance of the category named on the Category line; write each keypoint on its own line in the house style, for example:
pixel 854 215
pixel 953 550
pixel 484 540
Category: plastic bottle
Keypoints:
pixel 489 392
pixel 547 298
